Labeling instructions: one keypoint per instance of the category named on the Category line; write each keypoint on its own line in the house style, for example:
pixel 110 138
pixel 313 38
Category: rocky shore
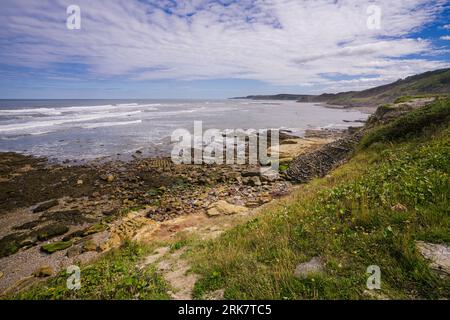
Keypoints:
pixel 54 215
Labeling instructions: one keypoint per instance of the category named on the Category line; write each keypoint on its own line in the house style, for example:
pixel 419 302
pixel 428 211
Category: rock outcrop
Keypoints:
pixel 438 255
pixel 223 207
pixel 321 161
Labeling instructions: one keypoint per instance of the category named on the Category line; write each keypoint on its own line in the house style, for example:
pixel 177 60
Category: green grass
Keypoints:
pixel 114 276
pixel 350 221
pixel 394 191
pixel 410 124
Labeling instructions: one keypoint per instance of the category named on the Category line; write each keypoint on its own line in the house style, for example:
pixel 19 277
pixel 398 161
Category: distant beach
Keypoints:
pixel 83 130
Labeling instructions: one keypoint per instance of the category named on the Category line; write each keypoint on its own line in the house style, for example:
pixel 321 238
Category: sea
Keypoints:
pixel 84 130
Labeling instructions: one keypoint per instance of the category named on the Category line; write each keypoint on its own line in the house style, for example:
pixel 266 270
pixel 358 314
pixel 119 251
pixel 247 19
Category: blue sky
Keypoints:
pixel 215 48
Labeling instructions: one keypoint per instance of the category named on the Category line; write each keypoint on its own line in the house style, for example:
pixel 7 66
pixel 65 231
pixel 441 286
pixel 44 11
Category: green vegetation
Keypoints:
pixel 425 85
pixel 56 246
pixel 114 276
pixel 368 212
pixel 411 123
pixel 95 228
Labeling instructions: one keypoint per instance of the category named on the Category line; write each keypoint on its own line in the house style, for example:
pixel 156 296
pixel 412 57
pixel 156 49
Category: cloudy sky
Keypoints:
pixel 216 48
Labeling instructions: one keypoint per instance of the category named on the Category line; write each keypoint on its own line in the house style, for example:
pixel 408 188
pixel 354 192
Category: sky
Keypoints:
pixel 136 49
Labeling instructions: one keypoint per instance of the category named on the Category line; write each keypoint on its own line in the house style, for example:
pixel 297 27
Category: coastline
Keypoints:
pixel 363 109
pixel 80 204
pixel 220 198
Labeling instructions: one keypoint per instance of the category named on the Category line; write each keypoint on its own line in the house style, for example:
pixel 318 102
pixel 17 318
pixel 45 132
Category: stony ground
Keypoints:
pixel 55 215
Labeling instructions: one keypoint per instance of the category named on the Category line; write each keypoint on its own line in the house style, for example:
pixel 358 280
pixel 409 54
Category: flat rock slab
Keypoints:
pixel 223 207
pixel 437 254
pixel 46 205
pixel 307 269
pixel 157 254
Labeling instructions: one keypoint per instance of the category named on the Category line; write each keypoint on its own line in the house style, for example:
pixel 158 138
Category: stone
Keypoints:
pixel 51 231
pixel 399 207
pixel 28 242
pixel 1 274
pixel 44 271
pixel 89 246
pixel 215 295
pixel 79 182
pixel 56 246
pixel 312 267
pixel 269 175
pixel 110 178
pixel 373 294
pixel 73 251
pixel 110 212
pixel 46 205
pixel 223 207
pixel 437 254
pixel 95 228
pixel 114 241
pixel 74 235
pixel 251 173
pixel 255 181
pixel 292 148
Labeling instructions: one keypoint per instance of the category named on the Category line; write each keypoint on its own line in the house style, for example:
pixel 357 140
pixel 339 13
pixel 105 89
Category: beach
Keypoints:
pixel 46 202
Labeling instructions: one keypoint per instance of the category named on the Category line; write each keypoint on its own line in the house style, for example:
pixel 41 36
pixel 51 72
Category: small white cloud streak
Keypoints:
pixel 288 42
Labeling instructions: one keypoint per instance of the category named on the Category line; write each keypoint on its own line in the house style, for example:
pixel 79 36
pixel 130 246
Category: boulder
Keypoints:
pixel 73 251
pixel 89 246
pixel 44 271
pixel 270 175
pixel 51 231
pixel 223 207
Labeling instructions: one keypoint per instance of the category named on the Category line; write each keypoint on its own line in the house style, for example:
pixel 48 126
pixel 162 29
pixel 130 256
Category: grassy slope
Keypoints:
pixel 426 84
pixel 422 85
pixel 348 220
pixel 114 276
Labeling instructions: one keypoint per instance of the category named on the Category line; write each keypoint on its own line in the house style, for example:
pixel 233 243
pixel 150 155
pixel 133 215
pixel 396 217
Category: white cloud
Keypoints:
pixel 445 38
pixel 282 42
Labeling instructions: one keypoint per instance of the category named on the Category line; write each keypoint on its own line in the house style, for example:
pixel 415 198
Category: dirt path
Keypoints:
pixel 171 263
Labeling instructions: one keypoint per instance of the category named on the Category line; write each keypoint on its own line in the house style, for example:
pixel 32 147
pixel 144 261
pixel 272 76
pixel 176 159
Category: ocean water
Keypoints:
pixel 84 130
